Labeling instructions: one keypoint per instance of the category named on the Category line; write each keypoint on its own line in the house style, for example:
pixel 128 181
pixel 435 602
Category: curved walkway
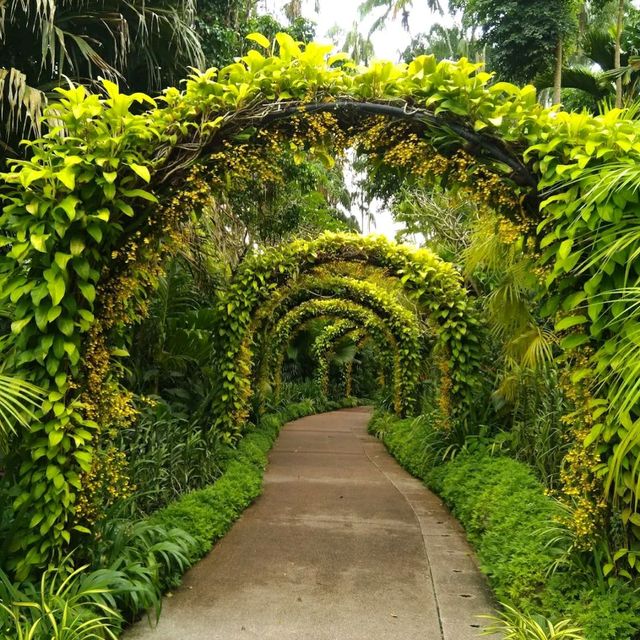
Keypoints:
pixel 342 545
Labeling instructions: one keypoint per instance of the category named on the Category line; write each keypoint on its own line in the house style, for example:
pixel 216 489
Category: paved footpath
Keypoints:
pixel 342 545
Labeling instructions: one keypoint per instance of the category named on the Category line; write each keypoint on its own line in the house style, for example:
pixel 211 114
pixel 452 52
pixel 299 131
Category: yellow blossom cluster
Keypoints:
pixel 581 489
pixel 105 483
pixel 122 301
pixel 317 130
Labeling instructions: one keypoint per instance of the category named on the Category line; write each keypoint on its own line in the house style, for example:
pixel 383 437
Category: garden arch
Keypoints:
pixel 90 216
pixel 434 284
pixel 311 286
pixel 345 309
pixel 323 347
pixel 323 350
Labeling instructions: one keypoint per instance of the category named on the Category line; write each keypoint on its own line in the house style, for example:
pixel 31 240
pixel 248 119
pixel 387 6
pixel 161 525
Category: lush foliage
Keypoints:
pixel 433 284
pixel 109 190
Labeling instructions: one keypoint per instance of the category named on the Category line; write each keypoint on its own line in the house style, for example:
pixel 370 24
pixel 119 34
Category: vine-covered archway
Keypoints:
pixel 323 347
pixel 434 285
pixel 404 360
pixel 402 321
pixel 89 218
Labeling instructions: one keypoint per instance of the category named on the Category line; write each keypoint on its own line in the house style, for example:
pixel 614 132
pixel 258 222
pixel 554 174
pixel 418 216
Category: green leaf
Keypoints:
pixel 142 171
pixel 573 341
pixel 76 245
pixel 61 259
pixel 570 321
pixel 258 38
pixel 57 289
pixel 88 291
pixel 54 313
pixel 18 325
pixel 55 437
pixel 38 241
pixel 95 232
pixel 68 205
pixel 65 325
pixel 68 178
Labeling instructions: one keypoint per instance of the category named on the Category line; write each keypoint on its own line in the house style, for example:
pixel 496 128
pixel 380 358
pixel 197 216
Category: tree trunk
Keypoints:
pixel 557 76
pixel 616 56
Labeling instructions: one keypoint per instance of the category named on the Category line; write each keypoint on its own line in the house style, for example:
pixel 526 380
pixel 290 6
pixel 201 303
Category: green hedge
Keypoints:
pixel 509 521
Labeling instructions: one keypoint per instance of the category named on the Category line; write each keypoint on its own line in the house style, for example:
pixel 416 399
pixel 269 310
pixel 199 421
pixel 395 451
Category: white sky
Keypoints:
pixel 389 42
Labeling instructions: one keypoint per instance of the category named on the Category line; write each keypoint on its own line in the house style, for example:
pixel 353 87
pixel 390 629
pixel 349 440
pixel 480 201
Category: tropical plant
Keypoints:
pixel 18 399
pixel 67 604
pixel 445 43
pixel 170 452
pixel 144 45
pixel 392 8
pixel 512 624
pixel 596 75
pixel 357 46
pixel 537 32
pixel 148 558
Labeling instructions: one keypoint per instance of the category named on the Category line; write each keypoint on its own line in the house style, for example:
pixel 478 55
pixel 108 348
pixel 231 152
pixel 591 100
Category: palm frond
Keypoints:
pixel 18 400
pixel 21 105
pixel 598 45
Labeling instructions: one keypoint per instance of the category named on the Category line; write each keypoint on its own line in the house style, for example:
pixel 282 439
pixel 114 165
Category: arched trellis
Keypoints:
pixel 315 285
pixel 433 284
pixel 85 235
pixel 322 349
pixel 359 339
pixel 345 309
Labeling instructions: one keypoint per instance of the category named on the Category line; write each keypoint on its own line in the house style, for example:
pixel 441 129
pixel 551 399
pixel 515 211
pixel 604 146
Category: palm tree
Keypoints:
pixel 359 47
pixel 445 43
pixel 143 44
pixel 393 8
pixel 605 71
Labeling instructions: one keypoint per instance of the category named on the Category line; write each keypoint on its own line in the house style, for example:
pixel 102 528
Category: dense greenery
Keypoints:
pixel 431 282
pixel 143 297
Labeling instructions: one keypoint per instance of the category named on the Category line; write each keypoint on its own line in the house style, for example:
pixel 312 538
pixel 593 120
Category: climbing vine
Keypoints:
pixel 322 348
pixel 90 216
pixel 337 308
pixel 434 285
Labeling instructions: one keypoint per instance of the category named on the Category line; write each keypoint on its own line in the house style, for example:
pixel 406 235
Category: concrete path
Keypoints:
pixel 342 545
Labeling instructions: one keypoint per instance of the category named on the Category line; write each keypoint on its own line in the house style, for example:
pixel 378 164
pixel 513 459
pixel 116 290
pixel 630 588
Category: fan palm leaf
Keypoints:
pixel 18 400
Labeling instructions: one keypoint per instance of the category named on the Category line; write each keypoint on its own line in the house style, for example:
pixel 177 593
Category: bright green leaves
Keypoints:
pixel 258 296
pixel 142 171
pixel 39 241
pixel 68 205
pixel 56 285
pixel 259 39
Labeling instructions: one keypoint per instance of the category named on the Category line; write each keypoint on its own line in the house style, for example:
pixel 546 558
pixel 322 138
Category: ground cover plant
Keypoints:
pixel 149 316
